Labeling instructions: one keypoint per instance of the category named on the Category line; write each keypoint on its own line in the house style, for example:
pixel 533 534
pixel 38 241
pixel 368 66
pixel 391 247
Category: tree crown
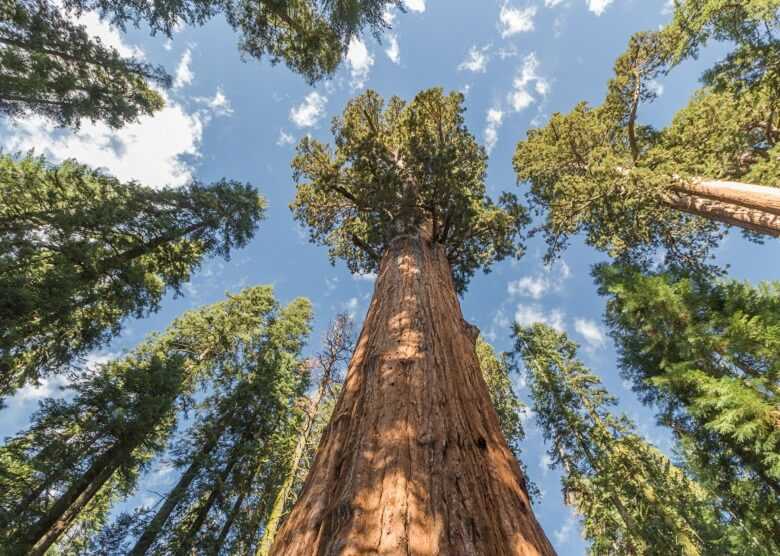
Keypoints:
pixel 394 168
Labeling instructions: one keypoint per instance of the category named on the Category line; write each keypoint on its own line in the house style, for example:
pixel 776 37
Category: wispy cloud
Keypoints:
pixel 476 59
pixel 516 20
pixel 492 124
pixel 526 81
pixel 598 6
pixel 393 49
pixel 537 285
pixel 310 111
pixel 284 138
pixel 591 331
pixel 184 74
pixel 415 5
pixel 526 315
pixel 359 60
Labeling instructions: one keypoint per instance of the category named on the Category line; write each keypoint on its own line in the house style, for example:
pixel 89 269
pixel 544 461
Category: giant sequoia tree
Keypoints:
pixel 80 251
pixel 413 459
pixel 632 188
pixel 631 499
pixel 706 355
pixel 79 455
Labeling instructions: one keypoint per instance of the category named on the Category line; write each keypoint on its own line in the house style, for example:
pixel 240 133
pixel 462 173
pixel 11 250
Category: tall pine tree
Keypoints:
pixel 414 458
pixel 630 497
pixel 50 66
pixel 80 454
pixel 80 251
pixel 705 354
pixel 230 456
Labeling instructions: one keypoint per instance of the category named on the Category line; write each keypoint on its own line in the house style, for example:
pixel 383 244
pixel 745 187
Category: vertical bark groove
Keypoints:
pixel 413 461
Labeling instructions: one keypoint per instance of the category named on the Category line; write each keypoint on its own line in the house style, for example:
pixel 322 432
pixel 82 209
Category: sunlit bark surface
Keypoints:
pixel 413 461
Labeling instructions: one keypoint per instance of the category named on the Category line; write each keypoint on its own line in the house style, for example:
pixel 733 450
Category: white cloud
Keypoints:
pixel 108 35
pixel 656 87
pixel 149 150
pixel 310 111
pixel 591 331
pixel 219 103
pixel 526 315
pixel 516 20
pixel 184 73
pixel 359 60
pixel 368 277
pixel 415 5
pixel 537 285
pixel 493 123
pixel 284 138
pixel 388 16
pixel 552 3
pixel 563 535
pixel 393 50
pixel 476 59
pixel 520 97
pixel 598 6
pixel 545 462
pixel 350 306
pixel 668 8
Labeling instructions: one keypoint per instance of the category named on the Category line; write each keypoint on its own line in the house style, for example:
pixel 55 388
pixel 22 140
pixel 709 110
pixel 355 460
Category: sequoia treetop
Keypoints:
pixel 395 167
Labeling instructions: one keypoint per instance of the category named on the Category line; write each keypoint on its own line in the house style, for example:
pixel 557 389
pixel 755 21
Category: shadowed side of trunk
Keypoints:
pixel 413 460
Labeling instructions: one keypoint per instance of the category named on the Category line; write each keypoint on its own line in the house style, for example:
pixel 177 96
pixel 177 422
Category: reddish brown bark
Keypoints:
pixel 413 461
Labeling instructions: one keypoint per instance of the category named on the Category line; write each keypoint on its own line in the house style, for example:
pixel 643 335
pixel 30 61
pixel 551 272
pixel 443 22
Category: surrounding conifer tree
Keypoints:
pixel 630 497
pixel 310 36
pixel 413 458
pixel 50 66
pixel 80 251
pixel 707 355
pixel 632 188
pixel 337 348
pixel 231 457
pixel 81 454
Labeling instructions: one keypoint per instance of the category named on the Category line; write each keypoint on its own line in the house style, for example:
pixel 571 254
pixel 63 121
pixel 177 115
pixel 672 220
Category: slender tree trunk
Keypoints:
pixel 172 500
pixel 48 529
pixel 413 461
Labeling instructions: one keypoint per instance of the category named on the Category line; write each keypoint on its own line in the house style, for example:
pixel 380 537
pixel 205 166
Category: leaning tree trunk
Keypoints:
pixel 413 461
pixel 66 509
pixel 753 207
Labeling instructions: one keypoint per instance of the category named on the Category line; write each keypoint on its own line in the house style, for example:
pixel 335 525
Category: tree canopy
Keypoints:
pixel 80 251
pixel 705 354
pixel 394 168
pixel 50 66
pixel 600 171
pixel 310 36
pixel 630 497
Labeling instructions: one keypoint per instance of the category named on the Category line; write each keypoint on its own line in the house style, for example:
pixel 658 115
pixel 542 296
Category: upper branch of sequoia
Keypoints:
pixel 396 167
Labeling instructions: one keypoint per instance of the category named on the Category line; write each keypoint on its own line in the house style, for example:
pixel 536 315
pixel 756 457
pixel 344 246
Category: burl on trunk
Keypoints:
pixel 413 460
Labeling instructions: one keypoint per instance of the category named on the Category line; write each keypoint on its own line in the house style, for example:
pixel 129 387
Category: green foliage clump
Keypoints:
pixel 80 251
pixel 600 171
pixel 310 36
pixel 51 67
pixel 706 354
pixel 630 497
pixel 395 168
pixel 133 404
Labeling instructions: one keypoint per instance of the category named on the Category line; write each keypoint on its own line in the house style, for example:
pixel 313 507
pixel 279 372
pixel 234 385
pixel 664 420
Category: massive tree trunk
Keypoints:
pixel 753 207
pixel 413 461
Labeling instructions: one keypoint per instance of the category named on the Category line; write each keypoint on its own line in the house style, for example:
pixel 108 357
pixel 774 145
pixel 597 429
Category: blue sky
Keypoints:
pixel 517 63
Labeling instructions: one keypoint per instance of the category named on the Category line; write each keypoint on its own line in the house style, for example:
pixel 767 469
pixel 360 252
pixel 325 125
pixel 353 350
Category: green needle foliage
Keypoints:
pixel 600 171
pixel 310 36
pixel 233 456
pixel 132 404
pixel 630 497
pixel 51 67
pixel 707 355
pixel 80 251
pixel 395 167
